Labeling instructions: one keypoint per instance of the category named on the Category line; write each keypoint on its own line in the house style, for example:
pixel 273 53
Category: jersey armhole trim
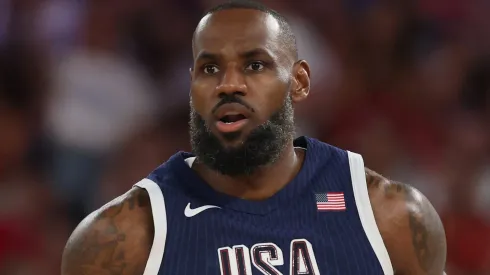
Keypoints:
pixel 366 214
pixel 159 214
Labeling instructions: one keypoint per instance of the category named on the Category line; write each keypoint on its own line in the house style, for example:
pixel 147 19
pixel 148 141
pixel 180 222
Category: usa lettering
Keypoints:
pixel 266 257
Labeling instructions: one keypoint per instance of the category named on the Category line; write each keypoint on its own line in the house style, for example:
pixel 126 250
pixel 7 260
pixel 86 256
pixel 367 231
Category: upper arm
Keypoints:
pixel 410 226
pixel 114 240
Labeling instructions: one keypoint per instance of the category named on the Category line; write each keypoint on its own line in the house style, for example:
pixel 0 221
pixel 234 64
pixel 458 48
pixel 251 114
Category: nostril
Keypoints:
pixel 236 93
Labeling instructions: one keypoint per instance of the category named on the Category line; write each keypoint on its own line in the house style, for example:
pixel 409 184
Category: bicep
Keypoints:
pixel 107 243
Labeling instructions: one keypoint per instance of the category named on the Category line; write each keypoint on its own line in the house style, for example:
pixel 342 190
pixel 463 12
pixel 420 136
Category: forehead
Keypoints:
pixel 237 29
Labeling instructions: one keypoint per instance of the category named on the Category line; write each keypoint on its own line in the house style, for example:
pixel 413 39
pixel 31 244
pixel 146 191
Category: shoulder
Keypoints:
pixel 115 239
pixel 409 225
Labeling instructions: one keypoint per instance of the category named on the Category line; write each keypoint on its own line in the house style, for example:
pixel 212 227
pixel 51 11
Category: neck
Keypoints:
pixel 262 184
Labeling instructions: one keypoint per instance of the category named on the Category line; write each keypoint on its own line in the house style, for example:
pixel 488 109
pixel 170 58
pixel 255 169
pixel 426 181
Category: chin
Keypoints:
pixel 232 140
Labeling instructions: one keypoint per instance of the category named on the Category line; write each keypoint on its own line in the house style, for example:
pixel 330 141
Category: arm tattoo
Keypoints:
pixel 425 228
pixel 140 200
pixel 427 232
pixel 420 241
pixel 103 246
pixel 102 253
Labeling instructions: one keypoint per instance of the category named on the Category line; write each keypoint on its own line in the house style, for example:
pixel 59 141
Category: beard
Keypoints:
pixel 262 147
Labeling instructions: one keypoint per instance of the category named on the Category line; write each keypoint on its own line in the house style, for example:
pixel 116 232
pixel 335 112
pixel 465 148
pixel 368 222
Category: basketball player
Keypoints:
pixel 250 199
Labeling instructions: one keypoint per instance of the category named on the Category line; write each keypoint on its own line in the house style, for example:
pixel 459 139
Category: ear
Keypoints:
pixel 191 73
pixel 301 87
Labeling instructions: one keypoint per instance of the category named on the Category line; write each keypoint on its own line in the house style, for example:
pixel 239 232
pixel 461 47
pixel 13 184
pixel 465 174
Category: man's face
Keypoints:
pixel 241 105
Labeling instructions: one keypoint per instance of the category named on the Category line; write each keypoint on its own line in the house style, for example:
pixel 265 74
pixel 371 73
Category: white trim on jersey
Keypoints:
pixel 190 161
pixel 359 185
pixel 160 223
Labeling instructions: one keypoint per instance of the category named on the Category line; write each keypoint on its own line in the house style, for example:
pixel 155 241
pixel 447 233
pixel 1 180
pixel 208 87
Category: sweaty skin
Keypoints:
pixel 117 238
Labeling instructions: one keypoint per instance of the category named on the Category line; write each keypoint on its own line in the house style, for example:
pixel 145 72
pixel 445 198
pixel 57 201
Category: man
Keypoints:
pixel 250 199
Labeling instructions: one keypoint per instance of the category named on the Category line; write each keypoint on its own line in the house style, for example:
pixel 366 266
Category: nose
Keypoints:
pixel 232 82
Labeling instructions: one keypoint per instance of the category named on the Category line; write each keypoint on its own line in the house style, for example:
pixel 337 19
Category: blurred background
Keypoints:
pixel 94 95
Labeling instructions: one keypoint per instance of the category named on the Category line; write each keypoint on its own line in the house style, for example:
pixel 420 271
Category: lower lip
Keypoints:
pixel 230 127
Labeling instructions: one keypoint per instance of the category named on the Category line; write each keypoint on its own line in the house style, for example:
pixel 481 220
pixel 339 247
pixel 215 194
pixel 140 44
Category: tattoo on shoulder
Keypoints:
pixel 101 248
pixel 390 188
pixel 420 240
pixel 139 199
pixel 426 229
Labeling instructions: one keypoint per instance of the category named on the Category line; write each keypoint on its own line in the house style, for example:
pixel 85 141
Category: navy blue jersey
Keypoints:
pixel 319 223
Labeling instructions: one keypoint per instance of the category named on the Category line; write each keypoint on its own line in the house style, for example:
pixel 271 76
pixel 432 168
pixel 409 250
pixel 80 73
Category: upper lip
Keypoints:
pixel 231 109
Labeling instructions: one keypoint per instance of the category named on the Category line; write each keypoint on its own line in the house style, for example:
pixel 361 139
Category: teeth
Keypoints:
pixel 229 119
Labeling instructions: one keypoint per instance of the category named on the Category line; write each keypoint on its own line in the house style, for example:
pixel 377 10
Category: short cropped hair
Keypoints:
pixel 287 35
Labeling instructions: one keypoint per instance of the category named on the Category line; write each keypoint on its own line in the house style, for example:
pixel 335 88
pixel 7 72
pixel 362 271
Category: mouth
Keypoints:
pixel 231 122
pixel 232 118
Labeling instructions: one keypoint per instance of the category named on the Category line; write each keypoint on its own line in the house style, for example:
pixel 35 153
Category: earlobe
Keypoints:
pixel 301 88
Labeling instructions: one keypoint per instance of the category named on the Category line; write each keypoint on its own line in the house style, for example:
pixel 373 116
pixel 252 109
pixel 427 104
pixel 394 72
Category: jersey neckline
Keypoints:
pixel 197 187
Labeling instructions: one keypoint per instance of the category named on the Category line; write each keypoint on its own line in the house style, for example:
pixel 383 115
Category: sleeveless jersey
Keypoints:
pixel 319 223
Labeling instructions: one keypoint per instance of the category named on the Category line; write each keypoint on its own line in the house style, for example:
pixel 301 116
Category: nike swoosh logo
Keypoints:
pixel 188 212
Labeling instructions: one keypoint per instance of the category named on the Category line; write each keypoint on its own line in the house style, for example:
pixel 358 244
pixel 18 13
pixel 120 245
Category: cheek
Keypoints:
pixel 199 95
pixel 271 99
pixel 284 75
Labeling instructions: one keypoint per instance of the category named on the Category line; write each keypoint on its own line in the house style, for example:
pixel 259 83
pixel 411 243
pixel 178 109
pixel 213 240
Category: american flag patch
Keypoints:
pixel 330 201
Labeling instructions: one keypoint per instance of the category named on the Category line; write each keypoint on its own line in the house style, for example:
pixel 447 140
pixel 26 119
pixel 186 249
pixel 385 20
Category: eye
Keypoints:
pixel 210 69
pixel 255 66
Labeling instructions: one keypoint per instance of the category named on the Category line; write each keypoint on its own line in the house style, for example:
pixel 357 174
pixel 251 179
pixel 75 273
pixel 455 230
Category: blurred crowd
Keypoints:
pixel 94 95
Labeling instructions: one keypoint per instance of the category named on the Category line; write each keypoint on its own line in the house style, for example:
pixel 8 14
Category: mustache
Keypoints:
pixel 232 98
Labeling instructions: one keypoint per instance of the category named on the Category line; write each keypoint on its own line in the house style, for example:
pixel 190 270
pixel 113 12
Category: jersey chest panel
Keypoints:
pixel 297 239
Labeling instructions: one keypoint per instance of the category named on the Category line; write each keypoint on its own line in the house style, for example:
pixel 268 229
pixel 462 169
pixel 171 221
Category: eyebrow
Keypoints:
pixel 255 52
pixel 204 55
